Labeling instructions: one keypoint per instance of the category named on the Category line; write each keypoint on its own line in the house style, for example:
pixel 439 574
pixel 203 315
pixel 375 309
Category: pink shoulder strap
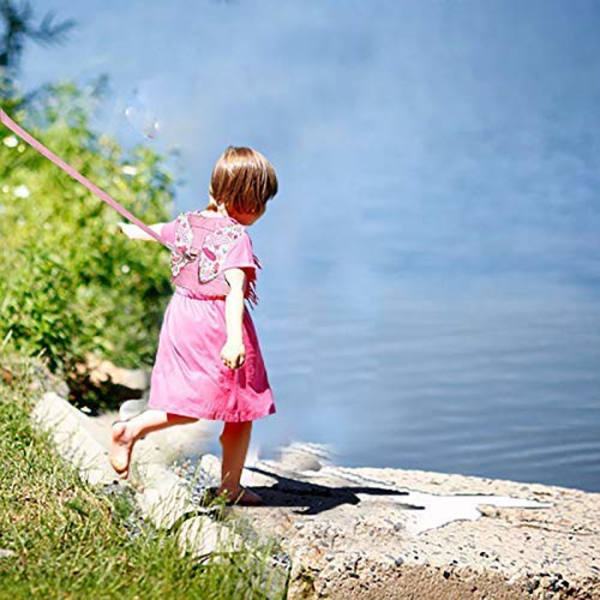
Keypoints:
pixel 79 177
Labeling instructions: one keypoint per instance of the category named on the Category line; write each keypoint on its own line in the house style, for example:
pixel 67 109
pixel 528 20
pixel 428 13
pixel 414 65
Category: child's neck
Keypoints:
pixel 216 210
pixel 211 214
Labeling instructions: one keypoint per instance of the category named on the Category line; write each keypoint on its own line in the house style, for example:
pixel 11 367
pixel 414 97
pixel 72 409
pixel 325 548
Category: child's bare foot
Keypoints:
pixel 120 449
pixel 241 496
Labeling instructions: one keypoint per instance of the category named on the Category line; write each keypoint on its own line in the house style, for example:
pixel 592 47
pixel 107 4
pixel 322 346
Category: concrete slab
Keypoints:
pixel 367 532
pixel 395 533
pixel 78 439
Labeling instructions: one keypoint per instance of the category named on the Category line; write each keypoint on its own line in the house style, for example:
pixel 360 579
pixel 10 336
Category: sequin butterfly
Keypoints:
pixel 214 250
pixel 183 244
pixel 211 256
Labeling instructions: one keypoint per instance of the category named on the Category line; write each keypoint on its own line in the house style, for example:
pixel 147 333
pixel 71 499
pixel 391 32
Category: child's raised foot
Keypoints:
pixel 120 449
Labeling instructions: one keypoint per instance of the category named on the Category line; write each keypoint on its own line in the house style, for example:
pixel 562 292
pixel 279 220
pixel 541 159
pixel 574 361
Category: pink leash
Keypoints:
pixel 76 175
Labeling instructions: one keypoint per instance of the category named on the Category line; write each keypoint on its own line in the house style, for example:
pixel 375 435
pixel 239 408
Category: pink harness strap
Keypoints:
pixel 76 175
pixel 197 295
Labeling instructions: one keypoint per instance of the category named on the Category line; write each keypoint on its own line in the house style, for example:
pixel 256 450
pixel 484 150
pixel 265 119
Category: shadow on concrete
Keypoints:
pixel 314 498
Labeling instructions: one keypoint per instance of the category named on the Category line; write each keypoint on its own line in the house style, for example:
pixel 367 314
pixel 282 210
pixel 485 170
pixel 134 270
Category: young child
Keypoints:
pixel 208 364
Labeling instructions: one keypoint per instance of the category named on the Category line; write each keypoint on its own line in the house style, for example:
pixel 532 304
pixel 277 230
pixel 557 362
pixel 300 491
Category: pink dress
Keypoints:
pixel 189 377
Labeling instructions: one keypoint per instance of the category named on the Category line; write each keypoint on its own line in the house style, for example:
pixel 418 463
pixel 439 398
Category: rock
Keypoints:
pixel 165 497
pixel 132 408
pixel 77 439
pixel 211 465
pixel 200 536
pixel 102 371
pixel 304 456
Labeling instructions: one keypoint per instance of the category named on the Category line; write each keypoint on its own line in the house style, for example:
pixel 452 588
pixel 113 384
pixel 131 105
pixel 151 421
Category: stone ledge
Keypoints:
pixel 370 533
pixel 395 533
pixel 77 438
pixel 163 497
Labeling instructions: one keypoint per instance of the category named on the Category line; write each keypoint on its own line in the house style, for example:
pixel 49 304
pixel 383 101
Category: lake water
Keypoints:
pixel 484 382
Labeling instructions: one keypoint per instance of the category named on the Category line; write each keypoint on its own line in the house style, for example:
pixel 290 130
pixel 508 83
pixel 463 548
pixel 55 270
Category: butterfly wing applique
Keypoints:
pixel 214 250
pixel 183 244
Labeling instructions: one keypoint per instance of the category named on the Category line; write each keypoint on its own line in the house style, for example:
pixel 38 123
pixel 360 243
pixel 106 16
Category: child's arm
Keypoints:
pixel 134 232
pixel 233 352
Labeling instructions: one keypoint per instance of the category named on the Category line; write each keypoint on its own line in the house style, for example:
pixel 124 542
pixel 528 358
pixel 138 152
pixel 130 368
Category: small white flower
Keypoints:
pixel 129 170
pixel 10 141
pixel 5 189
pixel 125 268
pixel 21 191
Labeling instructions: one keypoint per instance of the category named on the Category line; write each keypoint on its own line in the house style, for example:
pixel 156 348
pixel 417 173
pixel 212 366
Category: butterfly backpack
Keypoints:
pixel 200 269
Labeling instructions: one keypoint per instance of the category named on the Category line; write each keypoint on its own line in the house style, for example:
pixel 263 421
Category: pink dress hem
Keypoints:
pixel 214 415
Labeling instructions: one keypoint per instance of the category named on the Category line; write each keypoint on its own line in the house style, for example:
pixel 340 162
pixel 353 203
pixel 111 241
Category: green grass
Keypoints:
pixel 63 538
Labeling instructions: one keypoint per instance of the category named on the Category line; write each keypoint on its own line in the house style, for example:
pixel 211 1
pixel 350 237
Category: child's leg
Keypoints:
pixel 125 434
pixel 235 440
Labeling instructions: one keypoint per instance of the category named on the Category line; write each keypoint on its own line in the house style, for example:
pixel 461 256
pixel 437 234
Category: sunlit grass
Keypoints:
pixel 63 538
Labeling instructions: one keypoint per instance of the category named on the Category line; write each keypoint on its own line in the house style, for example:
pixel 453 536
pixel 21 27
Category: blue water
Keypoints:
pixel 504 387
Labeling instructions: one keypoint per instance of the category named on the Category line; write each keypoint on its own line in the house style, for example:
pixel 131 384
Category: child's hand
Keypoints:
pixel 233 354
pixel 125 228
pixel 133 232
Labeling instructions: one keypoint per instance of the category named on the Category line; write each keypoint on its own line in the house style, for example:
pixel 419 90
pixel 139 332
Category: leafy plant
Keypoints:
pixel 72 284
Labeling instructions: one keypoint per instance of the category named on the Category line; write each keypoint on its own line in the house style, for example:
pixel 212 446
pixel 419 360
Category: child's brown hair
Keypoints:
pixel 243 179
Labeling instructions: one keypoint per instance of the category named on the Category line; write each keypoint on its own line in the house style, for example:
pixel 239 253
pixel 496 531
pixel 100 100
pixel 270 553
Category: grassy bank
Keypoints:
pixel 62 538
